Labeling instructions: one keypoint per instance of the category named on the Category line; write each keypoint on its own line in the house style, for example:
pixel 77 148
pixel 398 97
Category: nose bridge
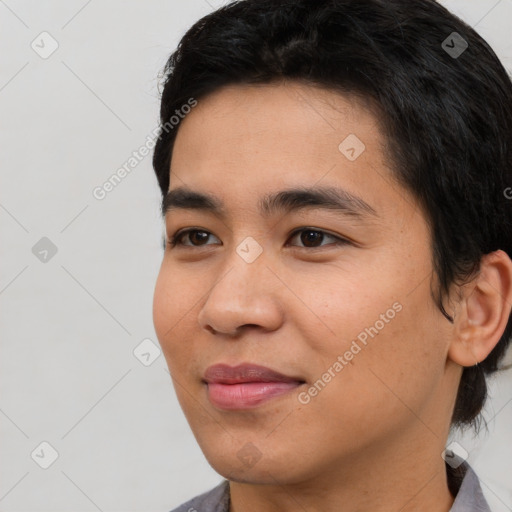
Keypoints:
pixel 242 293
pixel 245 269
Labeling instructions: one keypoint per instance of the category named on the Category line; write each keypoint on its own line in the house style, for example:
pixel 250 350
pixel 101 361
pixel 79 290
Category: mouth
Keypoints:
pixel 246 386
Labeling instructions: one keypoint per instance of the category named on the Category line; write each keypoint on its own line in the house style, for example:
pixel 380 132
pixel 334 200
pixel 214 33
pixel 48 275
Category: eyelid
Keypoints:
pixel 173 240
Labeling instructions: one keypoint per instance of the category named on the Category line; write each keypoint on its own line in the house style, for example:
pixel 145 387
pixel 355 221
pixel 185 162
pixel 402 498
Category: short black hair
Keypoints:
pixel 444 102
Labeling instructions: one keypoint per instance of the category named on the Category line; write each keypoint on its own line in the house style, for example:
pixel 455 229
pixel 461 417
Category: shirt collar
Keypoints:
pixel 465 486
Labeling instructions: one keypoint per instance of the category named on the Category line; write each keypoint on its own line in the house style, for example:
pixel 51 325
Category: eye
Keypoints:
pixel 197 237
pixel 310 238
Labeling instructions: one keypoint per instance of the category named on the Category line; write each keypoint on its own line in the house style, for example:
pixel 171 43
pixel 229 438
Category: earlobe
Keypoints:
pixel 484 311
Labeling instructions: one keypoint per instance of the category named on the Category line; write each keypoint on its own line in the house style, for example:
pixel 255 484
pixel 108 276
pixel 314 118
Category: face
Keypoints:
pixel 336 298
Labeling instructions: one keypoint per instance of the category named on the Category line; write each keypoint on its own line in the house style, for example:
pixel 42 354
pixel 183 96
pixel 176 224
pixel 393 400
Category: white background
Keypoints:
pixel 69 326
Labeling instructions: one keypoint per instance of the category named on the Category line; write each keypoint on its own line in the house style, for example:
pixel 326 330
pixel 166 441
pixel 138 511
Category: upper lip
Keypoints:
pixel 225 374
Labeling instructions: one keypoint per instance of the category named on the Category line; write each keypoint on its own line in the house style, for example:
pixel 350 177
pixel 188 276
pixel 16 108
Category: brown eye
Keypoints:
pixel 196 237
pixel 313 238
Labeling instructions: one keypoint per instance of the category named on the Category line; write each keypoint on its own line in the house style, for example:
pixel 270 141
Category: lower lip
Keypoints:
pixel 247 395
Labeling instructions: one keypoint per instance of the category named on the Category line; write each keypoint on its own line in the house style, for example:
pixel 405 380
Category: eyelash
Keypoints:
pixel 175 239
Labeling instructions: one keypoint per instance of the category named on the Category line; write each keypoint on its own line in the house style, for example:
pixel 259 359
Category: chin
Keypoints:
pixel 247 464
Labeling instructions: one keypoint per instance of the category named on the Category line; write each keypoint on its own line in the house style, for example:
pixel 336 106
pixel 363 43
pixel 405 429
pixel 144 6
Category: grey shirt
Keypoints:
pixel 463 484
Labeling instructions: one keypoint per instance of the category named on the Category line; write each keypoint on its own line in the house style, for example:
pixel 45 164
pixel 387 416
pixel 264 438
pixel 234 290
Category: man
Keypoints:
pixel 337 280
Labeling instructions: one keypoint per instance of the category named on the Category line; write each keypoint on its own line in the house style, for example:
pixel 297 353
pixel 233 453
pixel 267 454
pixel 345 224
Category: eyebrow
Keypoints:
pixel 284 201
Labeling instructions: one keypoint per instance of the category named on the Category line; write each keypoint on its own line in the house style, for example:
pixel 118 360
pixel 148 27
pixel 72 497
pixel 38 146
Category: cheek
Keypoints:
pixel 172 309
pixel 404 362
pixel 378 387
pixel 342 306
pixel 382 343
pixel 162 305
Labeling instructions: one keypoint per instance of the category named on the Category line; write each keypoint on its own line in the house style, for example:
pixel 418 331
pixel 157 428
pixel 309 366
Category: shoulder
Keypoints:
pixel 214 500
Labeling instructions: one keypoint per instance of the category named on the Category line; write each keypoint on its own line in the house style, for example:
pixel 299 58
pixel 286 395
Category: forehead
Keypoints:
pixel 242 141
pixel 254 115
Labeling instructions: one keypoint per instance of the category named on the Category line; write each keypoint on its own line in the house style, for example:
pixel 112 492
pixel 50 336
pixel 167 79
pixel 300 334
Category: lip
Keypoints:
pixel 246 386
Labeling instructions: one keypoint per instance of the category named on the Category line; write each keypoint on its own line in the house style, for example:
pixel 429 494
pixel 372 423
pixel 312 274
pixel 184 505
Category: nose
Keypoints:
pixel 243 295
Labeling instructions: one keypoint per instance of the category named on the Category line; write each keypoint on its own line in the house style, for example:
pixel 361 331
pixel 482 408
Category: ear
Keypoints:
pixel 483 311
